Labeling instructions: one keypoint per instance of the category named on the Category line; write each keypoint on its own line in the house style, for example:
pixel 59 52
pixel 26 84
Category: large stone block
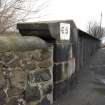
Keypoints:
pixel 57 72
pixel 61 52
pixel 32 94
pixel 60 89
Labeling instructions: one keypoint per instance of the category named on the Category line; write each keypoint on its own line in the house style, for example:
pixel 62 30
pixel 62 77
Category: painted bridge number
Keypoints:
pixel 64 31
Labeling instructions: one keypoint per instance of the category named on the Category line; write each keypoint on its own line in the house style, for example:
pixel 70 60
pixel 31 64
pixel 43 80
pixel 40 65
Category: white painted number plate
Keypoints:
pixel 64 31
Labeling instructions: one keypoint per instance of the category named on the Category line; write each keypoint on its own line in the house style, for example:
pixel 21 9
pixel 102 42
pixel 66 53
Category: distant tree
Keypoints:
pixel 95 29
pixel 13 11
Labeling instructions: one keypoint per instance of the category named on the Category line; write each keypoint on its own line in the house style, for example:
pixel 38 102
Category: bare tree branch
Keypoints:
pixel 95 30
pixel 13 11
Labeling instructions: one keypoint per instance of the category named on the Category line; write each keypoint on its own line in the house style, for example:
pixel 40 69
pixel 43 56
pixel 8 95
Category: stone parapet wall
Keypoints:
pixel 72 49
pixel 26 77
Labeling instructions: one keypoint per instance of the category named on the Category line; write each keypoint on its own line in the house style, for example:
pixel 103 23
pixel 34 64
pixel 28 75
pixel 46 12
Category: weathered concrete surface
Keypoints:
pixel 47 30
pixel 90 89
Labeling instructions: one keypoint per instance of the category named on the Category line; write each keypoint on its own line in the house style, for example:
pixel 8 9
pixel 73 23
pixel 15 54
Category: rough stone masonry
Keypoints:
pixel 26 76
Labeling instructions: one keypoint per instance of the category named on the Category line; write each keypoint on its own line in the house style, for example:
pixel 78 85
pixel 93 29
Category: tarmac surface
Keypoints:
pixel 90 88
